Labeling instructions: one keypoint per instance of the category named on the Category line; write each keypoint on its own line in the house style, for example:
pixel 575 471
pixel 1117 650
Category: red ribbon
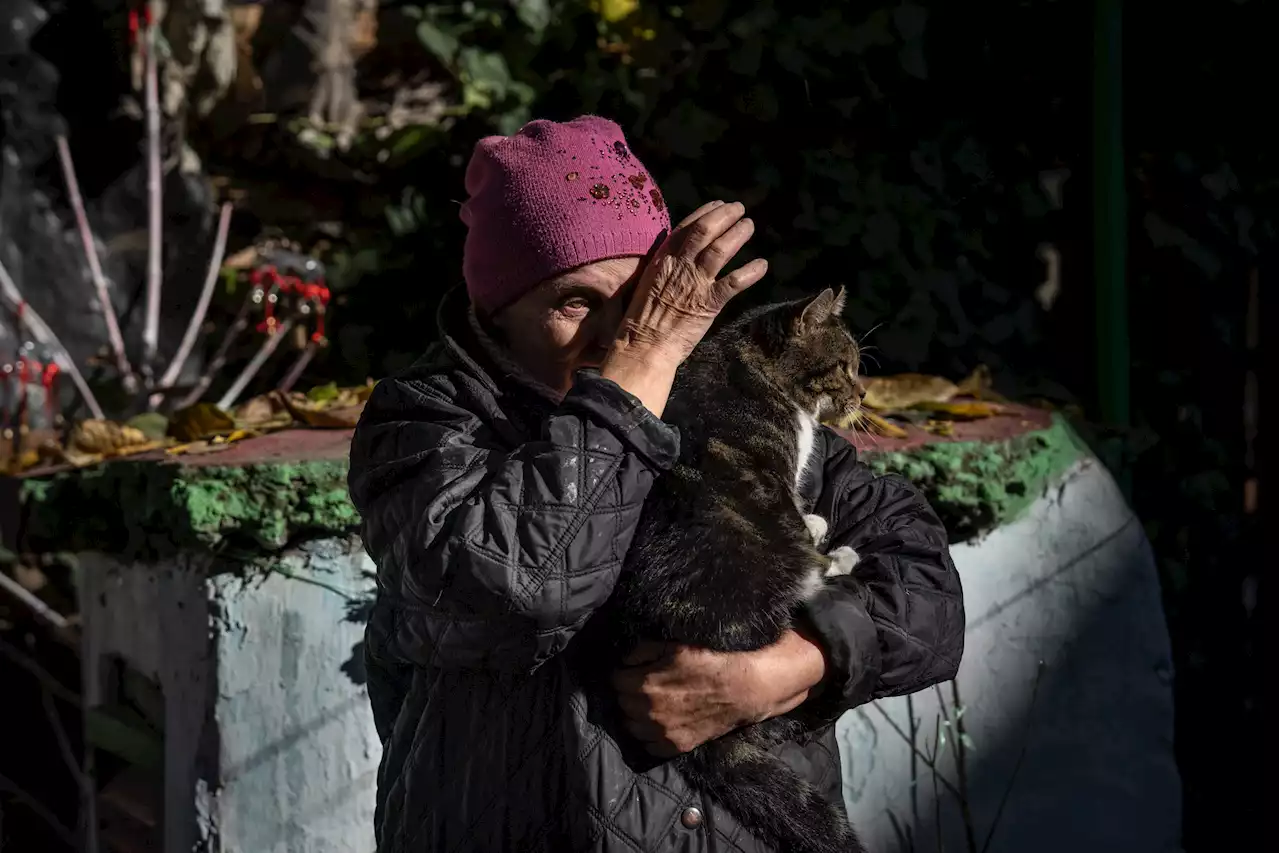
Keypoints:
pixel 268 280
pixel 138 20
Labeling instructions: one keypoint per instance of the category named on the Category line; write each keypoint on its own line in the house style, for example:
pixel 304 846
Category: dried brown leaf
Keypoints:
pixel 263 414
pixel 201 421
pixel 963 410
pixel 105 438
pixel 340 410
pixel 889 393
pixel 940 428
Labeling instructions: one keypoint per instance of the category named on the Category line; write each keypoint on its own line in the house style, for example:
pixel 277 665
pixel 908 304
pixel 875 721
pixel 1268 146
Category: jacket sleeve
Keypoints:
pixel 488 556
pixel 896 624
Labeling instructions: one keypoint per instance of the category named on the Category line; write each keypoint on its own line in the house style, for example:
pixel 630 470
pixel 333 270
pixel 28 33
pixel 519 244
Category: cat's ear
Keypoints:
pixel 816 312
pixel 837 304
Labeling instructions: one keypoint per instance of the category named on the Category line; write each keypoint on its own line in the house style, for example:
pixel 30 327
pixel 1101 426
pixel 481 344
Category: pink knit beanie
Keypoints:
pixel 553 197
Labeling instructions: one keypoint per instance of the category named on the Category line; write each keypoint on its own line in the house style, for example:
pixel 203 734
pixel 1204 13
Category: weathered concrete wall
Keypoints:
pixel 269 741
pixel 270 746
pixel 1071 583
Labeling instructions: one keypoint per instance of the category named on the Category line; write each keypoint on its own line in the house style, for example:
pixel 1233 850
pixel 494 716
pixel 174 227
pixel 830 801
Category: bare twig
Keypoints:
pixel 255 364
pixel 904 834
pixel 155 200
pixel 928 760
pixel 1017 764
pixel 42 610
pixel 39 810
pixel 913 731
pixel 956 727
pixel 202 306
pixel 95 267
pixel 42 333
pixel 937 776
pixel 238 325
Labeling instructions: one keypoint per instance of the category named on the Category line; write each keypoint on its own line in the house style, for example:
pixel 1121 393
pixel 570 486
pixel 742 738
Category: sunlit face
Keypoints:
pixel 567 323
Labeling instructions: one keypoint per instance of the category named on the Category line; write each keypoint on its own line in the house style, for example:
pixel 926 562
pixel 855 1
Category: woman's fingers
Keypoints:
pixel 740 279
pixel 713 258
pixel 691 239
pixel 678 295
pixel 709 206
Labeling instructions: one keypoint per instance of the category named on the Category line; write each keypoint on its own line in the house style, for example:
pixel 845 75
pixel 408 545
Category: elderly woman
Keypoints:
pixel 500 480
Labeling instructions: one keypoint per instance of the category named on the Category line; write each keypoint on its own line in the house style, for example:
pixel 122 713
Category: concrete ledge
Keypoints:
pixel 257 495
pixel 978 483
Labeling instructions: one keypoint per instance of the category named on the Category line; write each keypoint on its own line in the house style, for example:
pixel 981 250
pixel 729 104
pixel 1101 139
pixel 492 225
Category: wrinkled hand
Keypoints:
pixel 679 294
pixel 675 698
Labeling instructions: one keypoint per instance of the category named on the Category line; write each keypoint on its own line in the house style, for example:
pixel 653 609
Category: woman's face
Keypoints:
pixel 568 322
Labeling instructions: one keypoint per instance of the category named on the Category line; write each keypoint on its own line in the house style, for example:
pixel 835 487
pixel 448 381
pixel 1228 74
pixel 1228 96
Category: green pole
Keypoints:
pixel 1110 219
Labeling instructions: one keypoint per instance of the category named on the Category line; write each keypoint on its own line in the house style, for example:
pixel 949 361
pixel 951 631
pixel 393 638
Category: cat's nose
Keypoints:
pixel 860 388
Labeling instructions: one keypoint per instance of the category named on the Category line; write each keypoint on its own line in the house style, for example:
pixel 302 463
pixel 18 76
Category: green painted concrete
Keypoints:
pixel 147 509
pixel 975 486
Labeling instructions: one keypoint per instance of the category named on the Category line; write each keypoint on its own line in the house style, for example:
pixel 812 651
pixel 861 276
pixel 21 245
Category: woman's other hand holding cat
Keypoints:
pixel 675 698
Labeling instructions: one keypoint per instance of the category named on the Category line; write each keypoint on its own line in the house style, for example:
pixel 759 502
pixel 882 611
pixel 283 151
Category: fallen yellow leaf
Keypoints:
pixel 203 420
pixel 197 448
pixel 962 411
pixel 942 428
pixel 81 460
pixel 28 458
pixel 887 393
pixel 141 448
pixel 105 438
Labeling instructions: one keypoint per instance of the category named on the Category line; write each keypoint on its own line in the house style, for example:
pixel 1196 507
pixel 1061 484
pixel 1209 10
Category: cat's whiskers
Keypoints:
pixel 860 421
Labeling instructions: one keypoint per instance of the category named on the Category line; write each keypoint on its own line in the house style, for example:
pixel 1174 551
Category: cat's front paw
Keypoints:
pixel 817 528
pixel 842 561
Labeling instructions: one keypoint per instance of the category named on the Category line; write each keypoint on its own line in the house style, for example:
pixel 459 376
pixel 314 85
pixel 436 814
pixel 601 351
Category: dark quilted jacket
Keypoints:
pixel 498 523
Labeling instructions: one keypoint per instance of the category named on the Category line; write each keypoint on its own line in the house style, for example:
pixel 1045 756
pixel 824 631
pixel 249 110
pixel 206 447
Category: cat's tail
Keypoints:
pixel 767 797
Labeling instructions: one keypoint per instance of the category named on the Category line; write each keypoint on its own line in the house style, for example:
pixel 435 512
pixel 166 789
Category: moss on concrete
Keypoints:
pixel 151 508
pixel 147 509
pixel 978 485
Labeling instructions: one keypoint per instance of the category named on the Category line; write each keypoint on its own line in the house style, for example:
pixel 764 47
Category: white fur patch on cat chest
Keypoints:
pixel 806 434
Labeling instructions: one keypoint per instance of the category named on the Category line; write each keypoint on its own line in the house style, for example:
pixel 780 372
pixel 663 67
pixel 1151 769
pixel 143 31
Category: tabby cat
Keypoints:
pixel 725 553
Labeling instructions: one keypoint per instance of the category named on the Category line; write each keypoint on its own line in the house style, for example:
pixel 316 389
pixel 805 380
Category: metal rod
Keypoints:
pixel 43 334
pixel 255 364
pixel 202 305
pixel 95 267
pixel 38 607
pixel 155 199
pixel 299 365
pixel 238 325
